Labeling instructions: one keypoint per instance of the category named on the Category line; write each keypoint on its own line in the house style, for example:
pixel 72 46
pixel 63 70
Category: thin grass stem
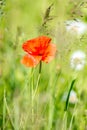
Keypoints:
pixel 70 127
pixel 8 112
pixel 32 100
pixel 36 85
pixel 67 100
pixel 4 110
pixel 64 126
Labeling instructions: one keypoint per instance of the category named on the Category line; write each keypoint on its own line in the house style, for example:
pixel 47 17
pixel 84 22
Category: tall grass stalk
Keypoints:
pixel 37 83
pixel 67 100
pixel 71 122
pixel 64 122
pixel 51 113
pixel 6 108
pixel 34 89
pixel 32 100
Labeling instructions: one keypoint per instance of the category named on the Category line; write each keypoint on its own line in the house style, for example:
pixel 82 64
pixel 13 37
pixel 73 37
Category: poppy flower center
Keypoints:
pixel 40 53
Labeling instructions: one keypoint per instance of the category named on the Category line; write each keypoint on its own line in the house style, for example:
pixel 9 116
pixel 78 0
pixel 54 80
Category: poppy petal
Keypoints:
pixel 35 45
pixel 44 41
pixel 31 61
pixel 49 53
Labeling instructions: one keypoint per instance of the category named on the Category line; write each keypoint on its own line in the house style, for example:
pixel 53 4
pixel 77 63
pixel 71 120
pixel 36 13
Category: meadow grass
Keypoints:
pixel 30 100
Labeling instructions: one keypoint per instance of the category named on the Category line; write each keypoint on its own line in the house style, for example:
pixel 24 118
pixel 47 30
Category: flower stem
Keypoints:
pixel 40 67
pixel 67 100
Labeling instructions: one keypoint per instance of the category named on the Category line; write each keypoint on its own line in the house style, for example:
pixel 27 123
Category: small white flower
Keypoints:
pixel 72 98
pixel 76 26
pixel 78 60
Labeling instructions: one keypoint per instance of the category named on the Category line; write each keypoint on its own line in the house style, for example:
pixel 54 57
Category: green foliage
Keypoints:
pixel 29 100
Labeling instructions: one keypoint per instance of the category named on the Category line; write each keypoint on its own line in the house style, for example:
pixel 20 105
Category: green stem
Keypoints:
pixel 4 110
pixel 32 91
pixel 67 100
pixel 8 112
pixel 40 67
pixel 51 113
pixel 38 80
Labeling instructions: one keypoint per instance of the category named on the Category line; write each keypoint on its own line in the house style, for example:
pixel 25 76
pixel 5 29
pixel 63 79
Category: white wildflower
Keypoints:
pixel 78 60
pixel 76 26
pixel 72 98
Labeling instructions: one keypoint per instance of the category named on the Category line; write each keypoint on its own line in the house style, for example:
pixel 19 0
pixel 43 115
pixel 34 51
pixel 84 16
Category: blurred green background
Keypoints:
pixel 21 20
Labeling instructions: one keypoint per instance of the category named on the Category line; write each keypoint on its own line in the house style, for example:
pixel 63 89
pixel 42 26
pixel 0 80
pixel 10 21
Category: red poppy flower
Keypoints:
pixel 38 49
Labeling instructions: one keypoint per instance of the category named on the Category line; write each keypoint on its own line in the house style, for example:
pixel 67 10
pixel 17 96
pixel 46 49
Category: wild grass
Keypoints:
pixel 30 100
